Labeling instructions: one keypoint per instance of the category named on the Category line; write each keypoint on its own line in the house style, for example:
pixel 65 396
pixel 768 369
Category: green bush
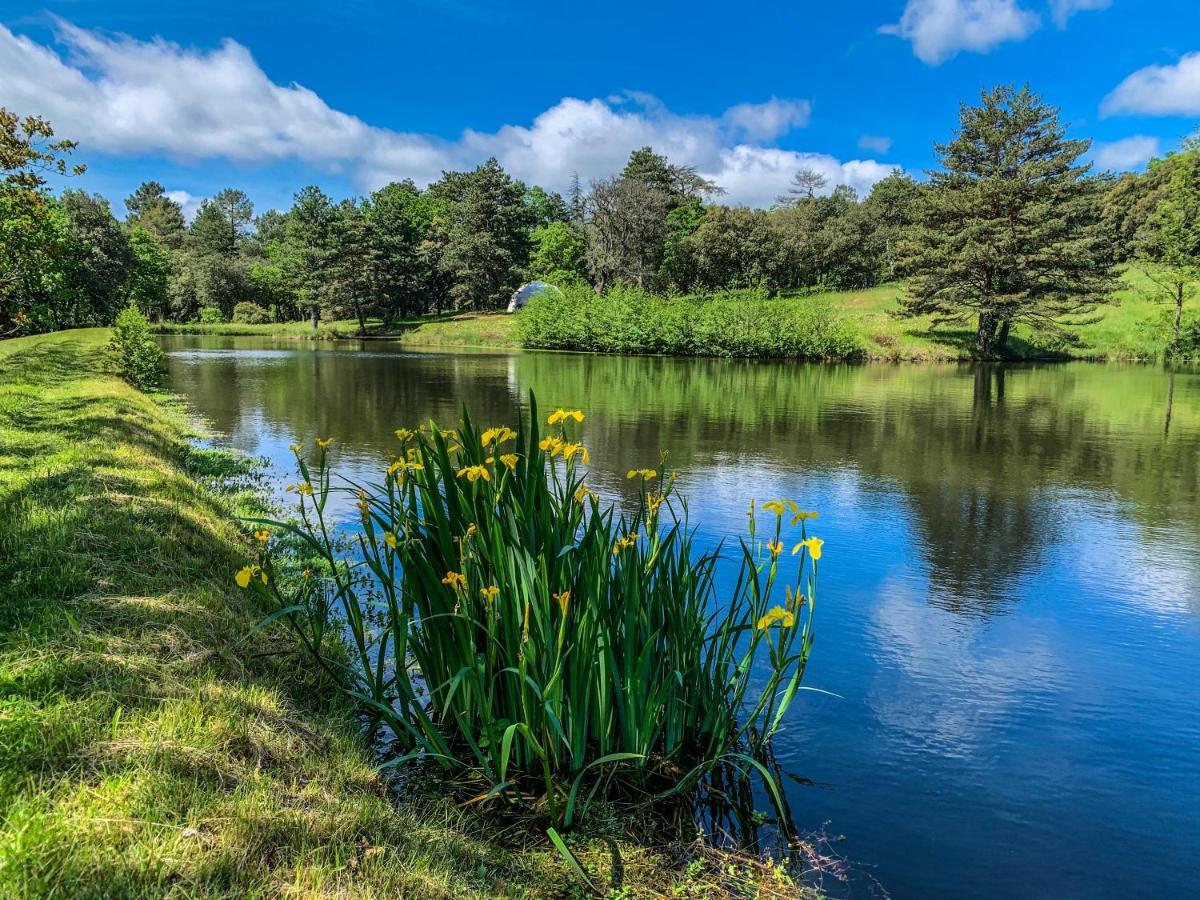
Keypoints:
pixel 210 315
pixel 247 313
pixel 140 360
pixel 504 623
pixel 743 324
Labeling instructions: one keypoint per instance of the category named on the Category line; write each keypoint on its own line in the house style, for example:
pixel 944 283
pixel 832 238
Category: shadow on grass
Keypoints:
pixel 963 341
pixel 144 746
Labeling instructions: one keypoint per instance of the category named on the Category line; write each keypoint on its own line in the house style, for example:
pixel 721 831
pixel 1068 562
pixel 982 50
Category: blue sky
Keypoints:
pixel 269 96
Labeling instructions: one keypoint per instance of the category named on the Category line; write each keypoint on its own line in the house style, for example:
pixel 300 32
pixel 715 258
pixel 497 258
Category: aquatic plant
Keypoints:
pixel 503 621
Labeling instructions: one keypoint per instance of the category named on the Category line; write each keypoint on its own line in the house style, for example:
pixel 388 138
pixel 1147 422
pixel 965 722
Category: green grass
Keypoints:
pixel 461 330
pixel 1129 330
pixel 146 749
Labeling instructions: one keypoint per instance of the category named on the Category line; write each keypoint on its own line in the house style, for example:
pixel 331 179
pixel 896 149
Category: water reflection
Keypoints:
pixel 1010 618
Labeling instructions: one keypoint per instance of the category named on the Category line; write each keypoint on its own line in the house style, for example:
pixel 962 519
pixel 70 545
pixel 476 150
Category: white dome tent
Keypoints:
pixel 526 292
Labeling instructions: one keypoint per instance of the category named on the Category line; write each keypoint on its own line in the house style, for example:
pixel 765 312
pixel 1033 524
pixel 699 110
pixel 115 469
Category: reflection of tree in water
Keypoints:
pixel 974 449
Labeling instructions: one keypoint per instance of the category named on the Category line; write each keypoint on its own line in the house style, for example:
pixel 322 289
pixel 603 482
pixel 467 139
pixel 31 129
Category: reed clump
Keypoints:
pixel 501 620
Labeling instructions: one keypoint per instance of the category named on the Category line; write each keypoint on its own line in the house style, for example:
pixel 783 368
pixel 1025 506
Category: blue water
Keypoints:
pixel 1009 607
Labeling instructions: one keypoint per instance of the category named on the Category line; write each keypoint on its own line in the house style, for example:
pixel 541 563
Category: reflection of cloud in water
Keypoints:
pixel 961 677
pixel 1129 562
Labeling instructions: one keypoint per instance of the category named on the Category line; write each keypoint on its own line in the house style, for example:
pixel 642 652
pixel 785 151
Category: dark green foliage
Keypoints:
pixel 247 313
pixel 150 208
pixel 140 360
pixel 557 254
pixel 747 324
pixel 487 245
pixel 1009 229
pixel 221 222
pixel 99 263
pixel 150 281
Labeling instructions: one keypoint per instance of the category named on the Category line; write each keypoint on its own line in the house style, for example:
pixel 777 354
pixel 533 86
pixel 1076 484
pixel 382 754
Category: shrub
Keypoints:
pixel 140 360
pixel 247 313
pixel 745 324
pixel 506 624
pixel 211 315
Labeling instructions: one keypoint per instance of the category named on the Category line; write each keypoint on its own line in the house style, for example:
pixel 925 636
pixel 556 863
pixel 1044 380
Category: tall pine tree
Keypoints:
pixel 1008 230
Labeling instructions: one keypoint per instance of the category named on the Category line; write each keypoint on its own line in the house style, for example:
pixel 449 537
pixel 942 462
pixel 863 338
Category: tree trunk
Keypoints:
pixel 983 334
pixel 1001 344
pixel 1178 313
pixel 362 322
pixel 316 316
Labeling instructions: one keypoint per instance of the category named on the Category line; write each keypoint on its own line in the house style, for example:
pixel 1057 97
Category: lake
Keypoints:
pixel 1010 591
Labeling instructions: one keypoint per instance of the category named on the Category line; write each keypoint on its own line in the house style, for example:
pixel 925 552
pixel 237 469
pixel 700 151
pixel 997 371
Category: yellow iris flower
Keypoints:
pixel 569 450
pixel 246 573
pixel 628 541
pixel 489 593
pixel 305 489
pixel 499 435
pixel 262 536
pixel 777 615
pixel 389 538
pixel 510 460
pixel 802 516
pixel 644 474
pixel 813 545
pixel 456 580
pixel 474 473
pixel 776 547
pixel 324 443
pixel 551 445
pixel 564 601
pixel 561 415
pixel 778 506
pixel 296 447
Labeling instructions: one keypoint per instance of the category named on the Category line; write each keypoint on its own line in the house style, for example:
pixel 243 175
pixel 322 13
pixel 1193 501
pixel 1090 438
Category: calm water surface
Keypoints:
pixel 1010 592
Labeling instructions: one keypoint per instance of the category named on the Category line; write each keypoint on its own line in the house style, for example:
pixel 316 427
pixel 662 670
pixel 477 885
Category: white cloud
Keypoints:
pixel 875 143
pixel 939 29
pixel 767 121
pixel 1061 10
pixel 1125 154
pixel 188 203
pixel 1158 91
pixel 755 176
pixel 127 97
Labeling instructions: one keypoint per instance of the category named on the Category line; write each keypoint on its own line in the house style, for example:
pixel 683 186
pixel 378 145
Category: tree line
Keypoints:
pixel 1011 228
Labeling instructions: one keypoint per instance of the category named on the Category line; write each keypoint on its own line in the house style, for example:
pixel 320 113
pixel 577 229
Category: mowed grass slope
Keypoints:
pixel 149 749
pixel 1130 328
pixel 144 751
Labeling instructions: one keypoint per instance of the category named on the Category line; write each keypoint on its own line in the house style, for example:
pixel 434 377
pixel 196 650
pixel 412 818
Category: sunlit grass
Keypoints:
pixel 147 748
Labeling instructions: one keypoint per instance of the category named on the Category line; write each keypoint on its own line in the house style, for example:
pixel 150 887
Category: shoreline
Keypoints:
pixel 407 343
pixel 162 746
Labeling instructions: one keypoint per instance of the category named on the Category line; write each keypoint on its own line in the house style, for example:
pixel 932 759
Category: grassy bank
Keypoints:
pixel 866 327
pixel 465 330
pixel 1131 329
pixel 146 748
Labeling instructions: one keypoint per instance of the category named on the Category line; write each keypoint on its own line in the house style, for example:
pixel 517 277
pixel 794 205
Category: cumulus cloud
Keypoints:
pixel 875 143
pixel 1128 153
pixel 767 121
pixel 940 29
pixel 128 97
pixel 1158 91
pixel 1062 10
